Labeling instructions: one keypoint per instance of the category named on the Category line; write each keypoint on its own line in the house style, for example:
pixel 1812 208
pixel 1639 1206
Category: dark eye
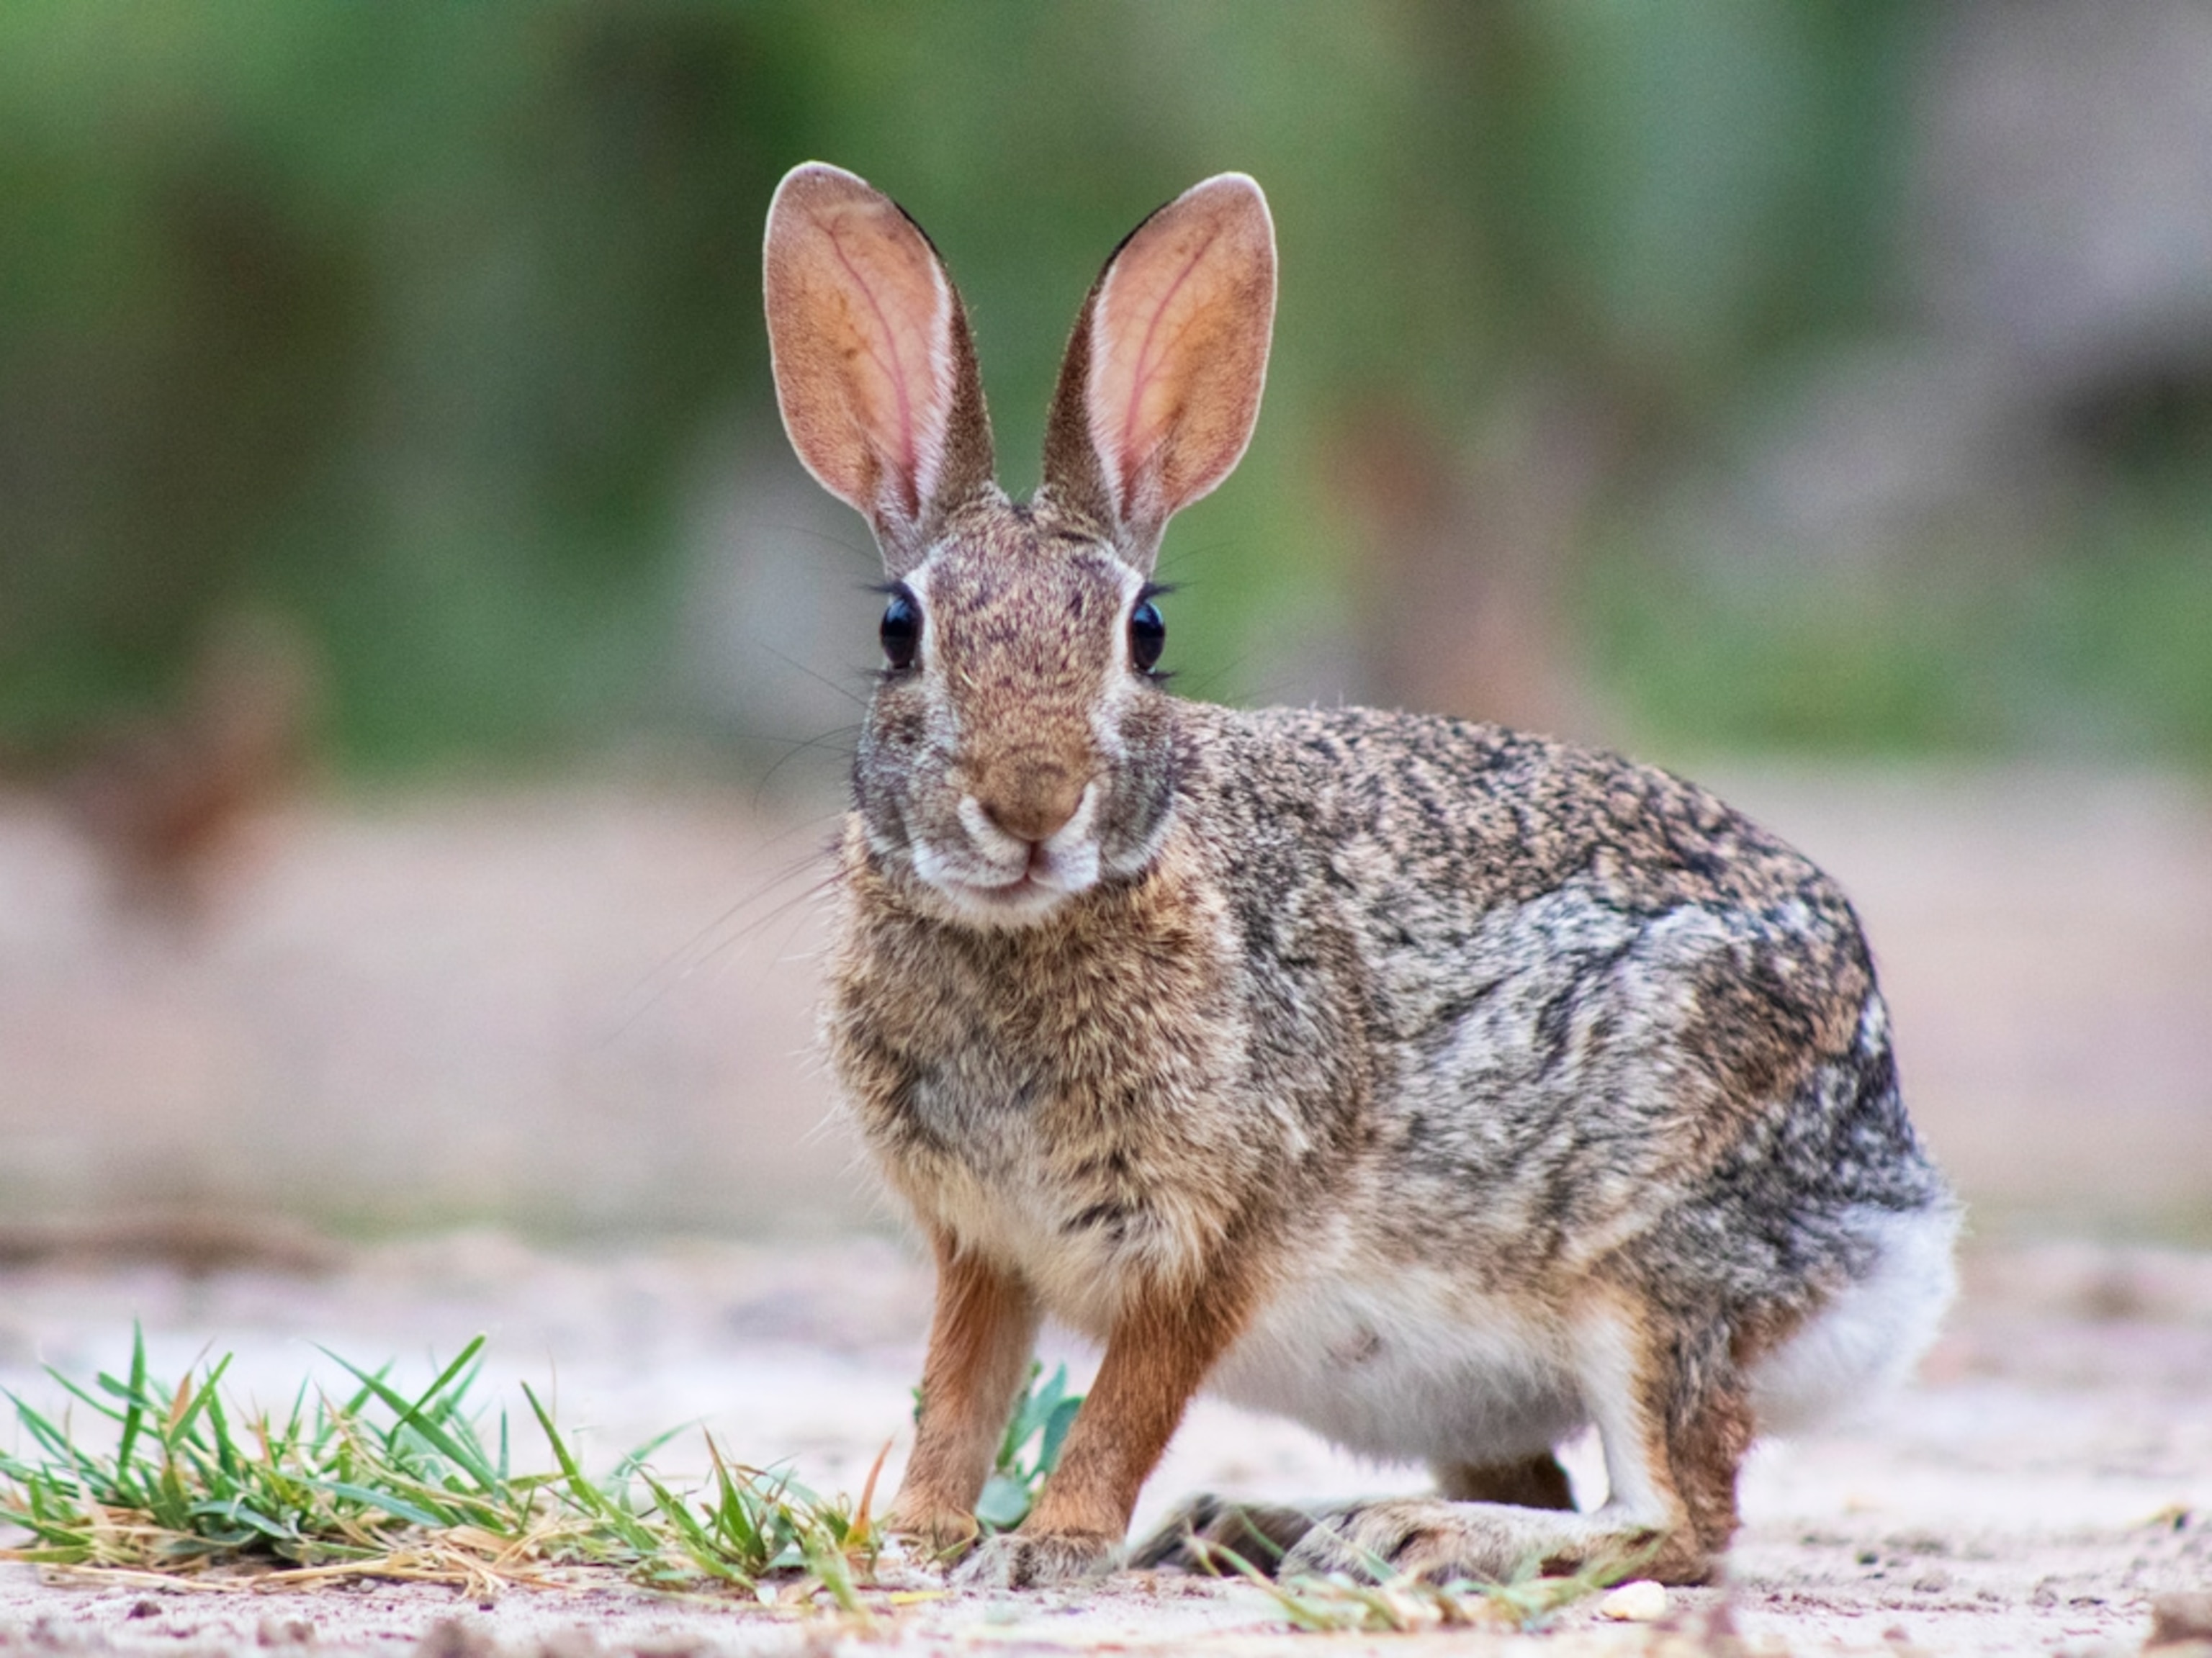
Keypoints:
pixel 1148 634
pixel 901 630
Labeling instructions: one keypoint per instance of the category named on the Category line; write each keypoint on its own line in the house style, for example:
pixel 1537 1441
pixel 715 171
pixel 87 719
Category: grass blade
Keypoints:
pixel 453 1449
pixel 594 1500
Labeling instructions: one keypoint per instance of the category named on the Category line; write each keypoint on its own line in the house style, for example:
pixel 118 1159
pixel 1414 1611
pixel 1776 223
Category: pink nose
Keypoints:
pixel 1031 800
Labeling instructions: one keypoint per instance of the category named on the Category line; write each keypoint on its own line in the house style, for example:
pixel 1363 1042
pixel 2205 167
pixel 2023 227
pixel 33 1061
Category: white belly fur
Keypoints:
pixel 1413 1367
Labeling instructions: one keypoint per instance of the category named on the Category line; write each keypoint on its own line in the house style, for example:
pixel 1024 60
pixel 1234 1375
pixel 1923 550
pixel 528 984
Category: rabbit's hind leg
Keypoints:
pixel 1210 1532
pixel 1671 1456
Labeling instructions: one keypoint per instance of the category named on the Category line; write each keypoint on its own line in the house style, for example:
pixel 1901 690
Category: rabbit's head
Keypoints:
pixel 1018 750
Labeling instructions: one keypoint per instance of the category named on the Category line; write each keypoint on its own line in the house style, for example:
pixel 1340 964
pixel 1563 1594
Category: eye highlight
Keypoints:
pixel 900 632
pixel 1148 634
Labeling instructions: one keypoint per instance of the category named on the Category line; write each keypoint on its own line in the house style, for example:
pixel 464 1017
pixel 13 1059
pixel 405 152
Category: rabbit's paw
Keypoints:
pixel 1205 1532
pixel 1419 1537
pixel 934 1535
pixel 1022 1560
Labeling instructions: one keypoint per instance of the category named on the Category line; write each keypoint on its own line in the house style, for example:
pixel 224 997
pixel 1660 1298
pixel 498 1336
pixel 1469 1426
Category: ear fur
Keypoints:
pixel 875 372
pixel 1161 384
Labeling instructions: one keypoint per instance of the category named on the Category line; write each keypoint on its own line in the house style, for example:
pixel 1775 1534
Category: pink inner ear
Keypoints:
pixel 1178 350
pixel 904 416
pixel 1145 391
pixel 861 318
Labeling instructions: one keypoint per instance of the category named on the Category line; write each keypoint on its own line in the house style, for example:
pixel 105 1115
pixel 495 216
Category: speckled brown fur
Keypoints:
pixel 1444 1087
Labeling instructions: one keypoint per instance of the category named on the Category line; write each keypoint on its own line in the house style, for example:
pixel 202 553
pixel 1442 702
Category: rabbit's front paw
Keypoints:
pixel 1024 1560
pixel 935 1534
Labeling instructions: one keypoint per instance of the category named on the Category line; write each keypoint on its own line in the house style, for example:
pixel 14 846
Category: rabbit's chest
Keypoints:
pixel 1081 1201
pixel 1064 1100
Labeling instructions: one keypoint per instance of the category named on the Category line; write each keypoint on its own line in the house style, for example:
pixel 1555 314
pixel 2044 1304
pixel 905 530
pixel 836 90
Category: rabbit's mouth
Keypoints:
pixel 1028 896
pixel 1022 898
pixel 1000 879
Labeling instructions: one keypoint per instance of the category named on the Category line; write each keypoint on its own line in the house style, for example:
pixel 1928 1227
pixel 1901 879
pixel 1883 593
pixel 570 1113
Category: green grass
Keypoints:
pixel 187 1481
pixel 1029 1450
pixel 380 1483
pixel 2097 647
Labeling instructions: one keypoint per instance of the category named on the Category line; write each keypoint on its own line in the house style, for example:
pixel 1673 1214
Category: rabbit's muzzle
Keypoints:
pixel 1018 852
pixel 1029 799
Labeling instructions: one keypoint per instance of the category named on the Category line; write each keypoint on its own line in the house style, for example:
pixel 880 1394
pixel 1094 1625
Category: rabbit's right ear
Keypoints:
pixel 1161 384
pixel 875 372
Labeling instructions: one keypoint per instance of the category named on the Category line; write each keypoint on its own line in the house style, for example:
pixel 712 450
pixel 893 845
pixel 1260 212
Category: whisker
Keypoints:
pixel 843 544
pixel 826 743
pixel 789 661
pixel 751 734
pixel 1197 687
pixel 686 958
pixel 792 906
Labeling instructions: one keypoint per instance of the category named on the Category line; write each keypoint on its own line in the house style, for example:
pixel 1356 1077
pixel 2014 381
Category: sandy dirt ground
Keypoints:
pixel 2049 1473
pixel 582 1015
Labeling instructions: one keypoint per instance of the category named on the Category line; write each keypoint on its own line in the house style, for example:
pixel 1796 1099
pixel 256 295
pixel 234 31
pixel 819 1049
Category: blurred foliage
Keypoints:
pixel 2102 647
pixel 419 321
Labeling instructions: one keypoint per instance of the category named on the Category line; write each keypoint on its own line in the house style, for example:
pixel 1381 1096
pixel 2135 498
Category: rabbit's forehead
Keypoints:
pixel 1051 603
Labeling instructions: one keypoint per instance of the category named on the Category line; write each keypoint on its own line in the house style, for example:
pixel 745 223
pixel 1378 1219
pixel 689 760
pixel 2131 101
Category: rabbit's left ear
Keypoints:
pixel 874 369
pixel 1161 384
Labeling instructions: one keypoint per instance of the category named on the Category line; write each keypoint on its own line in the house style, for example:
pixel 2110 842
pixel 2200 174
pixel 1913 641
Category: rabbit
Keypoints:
pixel 1446 1089
pixel 167 801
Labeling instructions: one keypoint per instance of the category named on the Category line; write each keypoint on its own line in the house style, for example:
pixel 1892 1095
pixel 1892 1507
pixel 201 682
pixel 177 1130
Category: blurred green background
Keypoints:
pixel 1817 397
pixel 1705 377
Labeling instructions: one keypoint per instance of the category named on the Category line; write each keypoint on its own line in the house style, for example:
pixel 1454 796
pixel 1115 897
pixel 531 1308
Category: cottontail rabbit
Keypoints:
pixel 165 800
pixel 1445 1089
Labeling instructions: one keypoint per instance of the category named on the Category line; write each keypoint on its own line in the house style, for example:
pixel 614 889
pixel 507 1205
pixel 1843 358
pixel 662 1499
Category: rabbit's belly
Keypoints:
pixel 1407 1368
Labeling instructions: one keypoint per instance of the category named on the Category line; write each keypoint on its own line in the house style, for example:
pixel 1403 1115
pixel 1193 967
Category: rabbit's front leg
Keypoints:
pixel 1160 1349
pixel 979 1337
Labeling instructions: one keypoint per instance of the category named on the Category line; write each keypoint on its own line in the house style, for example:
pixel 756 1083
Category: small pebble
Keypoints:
pixel 1641 1602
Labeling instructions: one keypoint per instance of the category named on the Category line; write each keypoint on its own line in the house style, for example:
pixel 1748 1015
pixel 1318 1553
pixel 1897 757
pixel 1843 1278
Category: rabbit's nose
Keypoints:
pixel 1030 800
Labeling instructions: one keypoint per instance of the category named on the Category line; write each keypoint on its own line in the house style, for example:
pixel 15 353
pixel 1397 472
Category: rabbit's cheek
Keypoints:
pixel 1146 762
pixel 892 769
pixel 1129 841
